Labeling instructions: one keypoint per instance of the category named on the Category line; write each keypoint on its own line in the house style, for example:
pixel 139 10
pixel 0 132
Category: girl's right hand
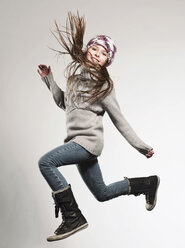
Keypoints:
pixel 44 70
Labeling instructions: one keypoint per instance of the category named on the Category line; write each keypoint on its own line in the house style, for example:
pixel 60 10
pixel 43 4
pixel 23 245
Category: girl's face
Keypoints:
pixel 97 55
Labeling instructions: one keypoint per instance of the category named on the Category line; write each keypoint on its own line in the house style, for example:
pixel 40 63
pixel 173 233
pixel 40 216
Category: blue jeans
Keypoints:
pixel 88 167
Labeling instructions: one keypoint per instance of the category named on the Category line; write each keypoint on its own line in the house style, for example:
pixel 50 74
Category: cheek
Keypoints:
pixel 88 56
pixel 90 52
pixel 104 60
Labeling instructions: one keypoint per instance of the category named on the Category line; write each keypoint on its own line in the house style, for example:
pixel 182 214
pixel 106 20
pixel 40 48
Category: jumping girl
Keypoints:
pixel 89 94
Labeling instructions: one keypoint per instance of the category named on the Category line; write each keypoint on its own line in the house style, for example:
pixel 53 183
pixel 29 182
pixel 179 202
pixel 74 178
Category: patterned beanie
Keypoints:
pixel 107 43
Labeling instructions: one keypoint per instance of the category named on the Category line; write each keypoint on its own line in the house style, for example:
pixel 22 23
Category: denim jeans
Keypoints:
pixel 88 167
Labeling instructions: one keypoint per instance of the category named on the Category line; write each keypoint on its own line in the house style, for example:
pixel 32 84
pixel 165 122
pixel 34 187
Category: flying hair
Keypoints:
pixel 70 37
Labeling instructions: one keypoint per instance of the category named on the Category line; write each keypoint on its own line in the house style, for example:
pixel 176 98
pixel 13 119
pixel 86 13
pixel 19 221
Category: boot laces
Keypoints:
pixel 57 208
pixel 60 227
pixel 63 219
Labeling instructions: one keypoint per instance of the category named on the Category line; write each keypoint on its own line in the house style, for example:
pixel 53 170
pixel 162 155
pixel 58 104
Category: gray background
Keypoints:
pixel 148 72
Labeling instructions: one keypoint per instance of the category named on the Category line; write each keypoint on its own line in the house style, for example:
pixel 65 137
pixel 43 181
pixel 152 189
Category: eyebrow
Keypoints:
pixel 102 47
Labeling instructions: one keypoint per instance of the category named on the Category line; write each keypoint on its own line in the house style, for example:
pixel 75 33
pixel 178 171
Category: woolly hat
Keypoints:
pixel 107 43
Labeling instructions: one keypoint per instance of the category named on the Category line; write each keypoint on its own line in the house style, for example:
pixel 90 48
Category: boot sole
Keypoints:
pixel 150 207
pixel 63 236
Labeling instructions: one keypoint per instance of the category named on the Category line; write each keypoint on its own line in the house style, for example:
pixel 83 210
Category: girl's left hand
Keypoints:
pixel 150 153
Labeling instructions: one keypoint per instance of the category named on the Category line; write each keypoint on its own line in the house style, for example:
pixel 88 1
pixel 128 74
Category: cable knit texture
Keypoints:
pixel 84 122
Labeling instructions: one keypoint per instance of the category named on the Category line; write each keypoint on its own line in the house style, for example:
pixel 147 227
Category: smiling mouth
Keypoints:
pixel 95 59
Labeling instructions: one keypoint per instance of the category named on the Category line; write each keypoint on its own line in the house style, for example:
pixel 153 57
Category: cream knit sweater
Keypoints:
pixel 84 120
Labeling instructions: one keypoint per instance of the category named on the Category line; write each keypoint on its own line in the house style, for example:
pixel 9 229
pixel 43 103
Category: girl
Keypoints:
pixel 89 94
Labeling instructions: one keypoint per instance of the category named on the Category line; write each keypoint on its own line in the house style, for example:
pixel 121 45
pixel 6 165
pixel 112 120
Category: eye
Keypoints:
pixel 93 48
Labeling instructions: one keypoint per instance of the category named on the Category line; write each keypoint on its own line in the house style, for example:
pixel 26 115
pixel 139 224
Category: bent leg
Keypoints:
pixel 69 153
pixel 91 173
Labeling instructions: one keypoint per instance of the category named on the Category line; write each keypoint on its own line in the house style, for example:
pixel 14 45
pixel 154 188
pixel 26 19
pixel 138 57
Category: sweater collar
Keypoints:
pixel 84 74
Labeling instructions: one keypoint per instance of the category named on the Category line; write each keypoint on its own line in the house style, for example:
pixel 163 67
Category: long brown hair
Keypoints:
pixel 71 39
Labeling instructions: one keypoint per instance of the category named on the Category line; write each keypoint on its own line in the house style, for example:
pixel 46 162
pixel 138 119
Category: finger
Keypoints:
pixel 39 72
pixel 44 69
pixel 148 155
pixel 150 152
pixel 43 66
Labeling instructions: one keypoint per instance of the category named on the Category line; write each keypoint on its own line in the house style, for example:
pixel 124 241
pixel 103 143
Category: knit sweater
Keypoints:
pixel 84 121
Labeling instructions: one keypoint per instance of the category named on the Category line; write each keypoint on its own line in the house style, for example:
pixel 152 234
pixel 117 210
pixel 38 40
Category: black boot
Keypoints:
pixel 73 220
pixel 147 186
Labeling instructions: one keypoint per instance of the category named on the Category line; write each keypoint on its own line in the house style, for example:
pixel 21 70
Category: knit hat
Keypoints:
pixel 107 43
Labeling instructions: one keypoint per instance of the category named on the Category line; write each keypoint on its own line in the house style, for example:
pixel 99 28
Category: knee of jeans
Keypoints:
pixel 100 196
pixel 42 163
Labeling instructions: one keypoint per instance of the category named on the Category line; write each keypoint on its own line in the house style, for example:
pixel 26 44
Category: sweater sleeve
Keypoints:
pixel 111 106
pixel 58 94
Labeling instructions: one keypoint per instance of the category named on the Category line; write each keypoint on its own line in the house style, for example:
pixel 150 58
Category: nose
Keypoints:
pixel 97 53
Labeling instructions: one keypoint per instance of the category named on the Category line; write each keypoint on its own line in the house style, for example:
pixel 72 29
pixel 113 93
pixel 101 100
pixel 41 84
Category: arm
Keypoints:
pixel 111 106
pixel 47 77
pixel 58 94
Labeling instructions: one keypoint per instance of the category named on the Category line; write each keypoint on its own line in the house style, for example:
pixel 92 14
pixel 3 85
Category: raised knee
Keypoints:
pixel 42 163
pixel 100 197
